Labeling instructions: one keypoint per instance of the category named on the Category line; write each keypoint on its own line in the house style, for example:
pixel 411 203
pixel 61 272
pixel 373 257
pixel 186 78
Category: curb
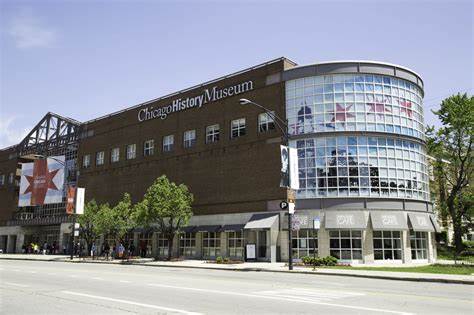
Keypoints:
pixel 432 280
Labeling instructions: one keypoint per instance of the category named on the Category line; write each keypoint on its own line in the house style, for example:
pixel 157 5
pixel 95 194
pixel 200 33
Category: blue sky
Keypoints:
pixel 83 59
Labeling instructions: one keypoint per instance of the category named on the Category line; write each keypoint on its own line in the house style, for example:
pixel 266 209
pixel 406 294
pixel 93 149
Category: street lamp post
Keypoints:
pixel 71 239
pixel 283 126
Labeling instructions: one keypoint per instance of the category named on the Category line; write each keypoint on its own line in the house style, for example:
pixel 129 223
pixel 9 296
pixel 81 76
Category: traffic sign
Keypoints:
pixel 283 205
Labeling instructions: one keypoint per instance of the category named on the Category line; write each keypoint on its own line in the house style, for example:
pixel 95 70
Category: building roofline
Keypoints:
pixel 191 88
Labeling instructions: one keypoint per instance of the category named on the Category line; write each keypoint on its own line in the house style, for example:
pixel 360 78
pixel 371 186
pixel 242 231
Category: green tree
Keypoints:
pixel 88 223
pixel 116 221
pixel 451 146
pixel 166 205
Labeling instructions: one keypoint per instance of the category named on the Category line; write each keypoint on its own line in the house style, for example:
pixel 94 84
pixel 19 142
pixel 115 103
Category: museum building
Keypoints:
pixel 359 133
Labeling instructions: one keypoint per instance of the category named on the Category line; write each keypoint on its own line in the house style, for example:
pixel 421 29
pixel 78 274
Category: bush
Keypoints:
pixel 468 245
pixel 312 261
pixel 226 260
pixel 219 260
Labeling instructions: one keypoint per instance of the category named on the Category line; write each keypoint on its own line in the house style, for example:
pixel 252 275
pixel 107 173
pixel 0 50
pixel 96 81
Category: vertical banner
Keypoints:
pixel 42 182
pixel 71 193
pixel 284 178
pixel 80 200
pixel 294 172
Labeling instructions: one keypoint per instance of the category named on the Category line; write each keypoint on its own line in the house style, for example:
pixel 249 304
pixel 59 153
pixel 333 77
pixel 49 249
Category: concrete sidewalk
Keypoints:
pixel 259 266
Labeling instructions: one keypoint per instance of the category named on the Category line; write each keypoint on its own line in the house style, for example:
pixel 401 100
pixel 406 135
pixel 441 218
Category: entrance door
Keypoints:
pixel 262 244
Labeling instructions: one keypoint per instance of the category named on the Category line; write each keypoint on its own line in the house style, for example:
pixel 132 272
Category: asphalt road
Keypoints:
pixel 28 287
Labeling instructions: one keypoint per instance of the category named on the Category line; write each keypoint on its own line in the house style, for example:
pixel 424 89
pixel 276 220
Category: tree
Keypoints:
pixel 116 221
pixel 166 205
pixel 88 223
pixel 452 148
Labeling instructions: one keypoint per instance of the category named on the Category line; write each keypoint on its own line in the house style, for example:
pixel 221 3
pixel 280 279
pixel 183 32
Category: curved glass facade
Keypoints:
pixel 356 164
pixel 350 102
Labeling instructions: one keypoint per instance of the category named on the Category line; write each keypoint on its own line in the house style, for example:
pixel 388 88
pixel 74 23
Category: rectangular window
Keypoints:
pixel 419 245
pixel 211 244
pixel 235 242
pixel 86 161
pixel 11 177
pixel 305 243
pixel 99 158
pixel 237 128
pixel 189 138
pixel 266 122
pixel 162 245
pixel 168 143
pixel 187 244
pixel 346 244
pixel 2 179
pixel 149 147
pixel 387 245
pixel 131 151
pixel 145 244
pixel 212 133
pixel 115 155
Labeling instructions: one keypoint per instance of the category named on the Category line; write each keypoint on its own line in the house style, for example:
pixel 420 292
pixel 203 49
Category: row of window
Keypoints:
pixel 11 179
pixel 347 244
pixel 237 129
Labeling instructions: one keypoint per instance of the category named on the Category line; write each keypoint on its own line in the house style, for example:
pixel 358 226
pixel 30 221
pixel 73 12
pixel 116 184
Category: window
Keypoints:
pixel 115 155
pixel 11 177
pixel 189 138
pixel 187 244
pixel 235 243
pixel 149 147
pixel 387 245
pixel 237 128
pixel 305 243
pixel 145 242
pixel 131 151
pixel 266 122
pixel 346 244
pixel 211 244
pixel 86 161
pixel 212 133
pixel 168 143
pixel 162 245
pixel 418 243
pixel 99 158
pixel 2 179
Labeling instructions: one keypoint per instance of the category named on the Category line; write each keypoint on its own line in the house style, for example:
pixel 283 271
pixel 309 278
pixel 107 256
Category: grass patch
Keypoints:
pixel 435 268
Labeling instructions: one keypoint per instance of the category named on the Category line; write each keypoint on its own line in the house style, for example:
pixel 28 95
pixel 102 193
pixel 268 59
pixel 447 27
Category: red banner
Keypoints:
pixel 71 193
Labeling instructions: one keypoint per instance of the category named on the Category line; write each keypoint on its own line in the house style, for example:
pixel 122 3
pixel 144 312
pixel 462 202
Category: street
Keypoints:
pixel 29 287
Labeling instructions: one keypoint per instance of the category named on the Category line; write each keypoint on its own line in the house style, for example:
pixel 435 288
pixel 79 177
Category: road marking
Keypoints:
pixel 17 284
pixel 124 281
pixel 32 271
pixel 168 309
pixel 97 278
pixel 310 294
pixel 280 298
pixel 16 269
pixel 51 274
pixel 73 276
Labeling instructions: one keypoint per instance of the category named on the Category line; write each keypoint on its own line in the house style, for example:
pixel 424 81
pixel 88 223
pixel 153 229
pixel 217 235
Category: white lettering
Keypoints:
pixel 345 220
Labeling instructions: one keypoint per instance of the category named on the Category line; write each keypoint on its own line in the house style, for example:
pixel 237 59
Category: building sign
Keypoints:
pixel 42 182
pixel 180 104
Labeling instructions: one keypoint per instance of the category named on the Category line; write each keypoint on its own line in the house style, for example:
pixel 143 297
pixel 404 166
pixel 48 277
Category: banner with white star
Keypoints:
pixel 42 182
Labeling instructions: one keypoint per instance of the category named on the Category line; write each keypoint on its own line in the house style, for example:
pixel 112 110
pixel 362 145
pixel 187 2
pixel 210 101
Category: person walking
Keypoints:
pixel 106 250
pixel 93 249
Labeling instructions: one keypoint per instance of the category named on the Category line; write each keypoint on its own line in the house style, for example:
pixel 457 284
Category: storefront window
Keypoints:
pixel 305 243
pixel 211 244
pixel 419 245
pixel 346 244
pixel 187 244
pixel 387 245
pixel 162 245
pixel 235 243
pixel 145 241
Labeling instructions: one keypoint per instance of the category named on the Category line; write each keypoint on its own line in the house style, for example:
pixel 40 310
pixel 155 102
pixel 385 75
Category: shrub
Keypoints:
pixel 330 261
pixel 226 260
pixel 219 260
pixel 312 261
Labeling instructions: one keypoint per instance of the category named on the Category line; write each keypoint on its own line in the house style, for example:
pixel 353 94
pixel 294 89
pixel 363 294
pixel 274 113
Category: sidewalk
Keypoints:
pixel 259 266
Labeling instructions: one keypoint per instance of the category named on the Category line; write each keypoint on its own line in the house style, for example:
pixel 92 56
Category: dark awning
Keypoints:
pixel 189 229
pixel 355 220
pixel 233 227
pixel 388 220
pixel 262 221
pixel 420 222
pixel 208 228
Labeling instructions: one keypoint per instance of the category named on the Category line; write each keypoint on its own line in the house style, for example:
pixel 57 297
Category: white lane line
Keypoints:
pixel 17 284
pixel 124 281
pixel 280 298
pixel 168 309
pixel 32 271
pixel 97 278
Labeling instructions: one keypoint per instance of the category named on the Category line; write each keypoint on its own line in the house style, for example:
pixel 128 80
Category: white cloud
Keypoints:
pixel 28 31
pixel 9 133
